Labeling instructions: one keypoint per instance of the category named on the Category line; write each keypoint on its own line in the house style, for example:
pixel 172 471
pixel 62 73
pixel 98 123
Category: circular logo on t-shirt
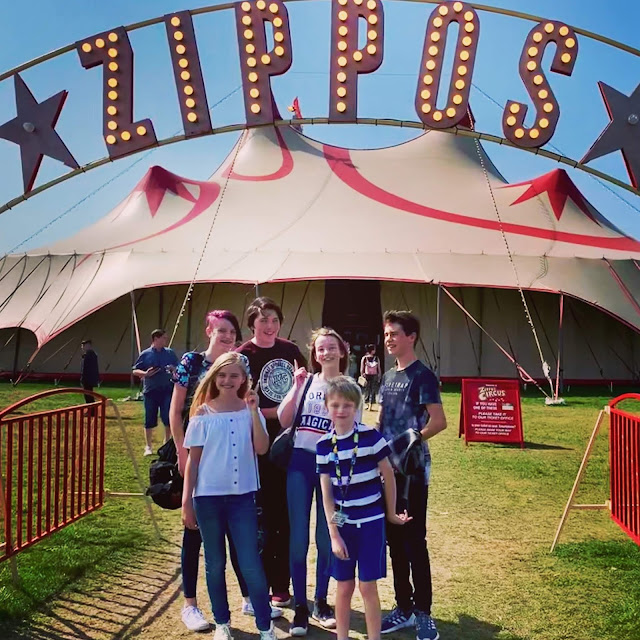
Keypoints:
pixel 276 378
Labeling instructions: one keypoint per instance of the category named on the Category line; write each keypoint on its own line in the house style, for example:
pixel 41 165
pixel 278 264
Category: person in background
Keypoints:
pixel 410 398
pixel 329 359
pixel 350 461
pixel 370 369
pixel 89 371
pixel 155 366
pixel 271 360
pixel 353 360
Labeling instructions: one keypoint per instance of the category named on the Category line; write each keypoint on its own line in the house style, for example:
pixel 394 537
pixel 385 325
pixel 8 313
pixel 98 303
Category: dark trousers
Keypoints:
pixel 408 546
pixel 273 499
pixel 190 558
pixel 89 387
pixel 371 390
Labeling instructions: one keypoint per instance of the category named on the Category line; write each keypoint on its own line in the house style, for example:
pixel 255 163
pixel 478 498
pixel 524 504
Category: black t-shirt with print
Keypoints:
pixel 273 368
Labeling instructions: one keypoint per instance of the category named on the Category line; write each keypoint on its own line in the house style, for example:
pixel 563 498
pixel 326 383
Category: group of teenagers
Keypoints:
pixel 230 402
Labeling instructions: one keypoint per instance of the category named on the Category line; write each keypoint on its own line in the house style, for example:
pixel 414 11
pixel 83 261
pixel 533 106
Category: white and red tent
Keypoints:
pixel 288 214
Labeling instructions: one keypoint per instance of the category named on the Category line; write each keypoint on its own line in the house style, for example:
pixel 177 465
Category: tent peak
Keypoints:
pixel 559 187
pixel 157 181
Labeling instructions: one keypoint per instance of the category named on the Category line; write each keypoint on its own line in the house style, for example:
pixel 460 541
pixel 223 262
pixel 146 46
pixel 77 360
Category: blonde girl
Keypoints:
pixel 226 431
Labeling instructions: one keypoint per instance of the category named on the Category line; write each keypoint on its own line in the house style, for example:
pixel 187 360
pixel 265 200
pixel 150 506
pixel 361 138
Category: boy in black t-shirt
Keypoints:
pixel 271 361
pixel 411 410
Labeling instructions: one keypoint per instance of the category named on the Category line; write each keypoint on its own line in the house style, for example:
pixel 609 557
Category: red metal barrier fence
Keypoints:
pixel 624 459
pixel 624 470
pixel 51 468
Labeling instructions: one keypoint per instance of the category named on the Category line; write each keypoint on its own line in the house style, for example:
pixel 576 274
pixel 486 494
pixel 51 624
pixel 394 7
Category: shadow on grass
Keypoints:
pixel 541 446
pixel 467 628
pixel 534 446
pixel 119 606
pixel 470 628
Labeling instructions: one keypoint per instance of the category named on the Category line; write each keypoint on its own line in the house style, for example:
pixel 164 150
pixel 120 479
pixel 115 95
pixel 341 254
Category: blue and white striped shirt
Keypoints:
pixel 363 500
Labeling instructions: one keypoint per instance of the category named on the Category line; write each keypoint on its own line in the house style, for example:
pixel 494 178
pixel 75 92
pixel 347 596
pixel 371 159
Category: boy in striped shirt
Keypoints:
pixel 350 460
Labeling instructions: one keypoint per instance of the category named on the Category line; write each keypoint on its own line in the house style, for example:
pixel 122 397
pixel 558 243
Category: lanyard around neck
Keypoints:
pixel 344 488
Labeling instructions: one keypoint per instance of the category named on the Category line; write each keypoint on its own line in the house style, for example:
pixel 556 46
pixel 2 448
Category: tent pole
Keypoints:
pixel 560 374
pixel 481 335
pixel 133 337
pixel 16 352
pixel 438 327
pixel 257 288
pixel 160 305
pixel 189 309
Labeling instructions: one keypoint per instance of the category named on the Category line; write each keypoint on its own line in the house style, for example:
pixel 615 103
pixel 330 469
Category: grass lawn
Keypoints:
pixel 493 512
pixel 99 542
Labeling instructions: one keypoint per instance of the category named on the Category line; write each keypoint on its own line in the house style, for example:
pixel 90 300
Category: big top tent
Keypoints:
pixel 284 208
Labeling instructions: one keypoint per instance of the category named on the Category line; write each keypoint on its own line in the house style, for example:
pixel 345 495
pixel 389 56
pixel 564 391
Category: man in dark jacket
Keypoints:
pixel 89 375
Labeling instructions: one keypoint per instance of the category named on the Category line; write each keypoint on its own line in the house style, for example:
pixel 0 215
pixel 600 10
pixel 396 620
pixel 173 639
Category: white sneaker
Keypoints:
pixel 247 610
pixel 148 451
pixel 268 635
pixel 193 619
pixel 222 632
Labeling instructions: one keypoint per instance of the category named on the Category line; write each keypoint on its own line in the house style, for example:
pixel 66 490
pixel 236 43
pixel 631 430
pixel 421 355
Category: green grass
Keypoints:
pixel 493 512
pixel 98 542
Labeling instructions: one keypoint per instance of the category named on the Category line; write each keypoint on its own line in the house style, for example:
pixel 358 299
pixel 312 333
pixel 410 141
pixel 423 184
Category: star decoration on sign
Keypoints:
pixel 622 133
pixel 33 131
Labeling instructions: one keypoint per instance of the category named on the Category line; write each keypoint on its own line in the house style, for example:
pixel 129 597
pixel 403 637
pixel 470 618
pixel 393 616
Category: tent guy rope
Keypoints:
pixel 545 365
pixel 206 242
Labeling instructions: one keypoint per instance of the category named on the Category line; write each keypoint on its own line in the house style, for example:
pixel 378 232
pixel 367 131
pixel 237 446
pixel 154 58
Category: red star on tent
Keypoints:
pixel 33 130
pixel 558 186
pixel 157 182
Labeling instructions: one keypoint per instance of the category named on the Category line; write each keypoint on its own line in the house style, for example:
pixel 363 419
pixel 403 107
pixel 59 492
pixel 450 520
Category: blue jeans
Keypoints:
pixel 190 559
pixel 236 515
pixel 302 481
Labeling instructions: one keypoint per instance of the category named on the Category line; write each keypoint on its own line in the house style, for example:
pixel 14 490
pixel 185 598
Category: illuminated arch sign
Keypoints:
pixel 357 47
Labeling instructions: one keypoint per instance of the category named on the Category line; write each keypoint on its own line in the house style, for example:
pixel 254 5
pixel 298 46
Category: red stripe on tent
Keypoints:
pixel 340 162
pixel 285 169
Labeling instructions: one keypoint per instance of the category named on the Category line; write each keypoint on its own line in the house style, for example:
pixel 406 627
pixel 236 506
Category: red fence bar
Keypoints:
pixel 95 458
pixel 19 477
pixel 8 503
pixel 66 468
pixel 624 459
pixel 56 489
pixel 51 467
pixel 87 466
pixel 74 433
pixel 48 485
pixel 103 435
pixel 30 482
pixel 39 515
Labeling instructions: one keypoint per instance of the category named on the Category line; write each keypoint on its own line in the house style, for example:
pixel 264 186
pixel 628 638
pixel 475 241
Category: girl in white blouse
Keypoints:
pixel 225 432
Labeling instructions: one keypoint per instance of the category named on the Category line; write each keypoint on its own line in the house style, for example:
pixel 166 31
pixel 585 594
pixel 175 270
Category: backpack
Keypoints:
pixel 371 365
pixel 165 482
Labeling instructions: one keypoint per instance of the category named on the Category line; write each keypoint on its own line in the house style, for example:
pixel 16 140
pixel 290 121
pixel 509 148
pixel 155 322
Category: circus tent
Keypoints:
pixel 430 223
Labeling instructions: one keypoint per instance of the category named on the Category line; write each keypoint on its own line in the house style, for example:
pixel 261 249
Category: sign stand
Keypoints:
pixel 490 411
pixel 576 484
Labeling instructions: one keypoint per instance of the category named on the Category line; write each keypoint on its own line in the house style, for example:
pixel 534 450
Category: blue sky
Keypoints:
pixel 34 28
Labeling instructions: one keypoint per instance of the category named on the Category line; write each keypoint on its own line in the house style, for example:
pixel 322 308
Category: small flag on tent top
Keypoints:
pixel 295 109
